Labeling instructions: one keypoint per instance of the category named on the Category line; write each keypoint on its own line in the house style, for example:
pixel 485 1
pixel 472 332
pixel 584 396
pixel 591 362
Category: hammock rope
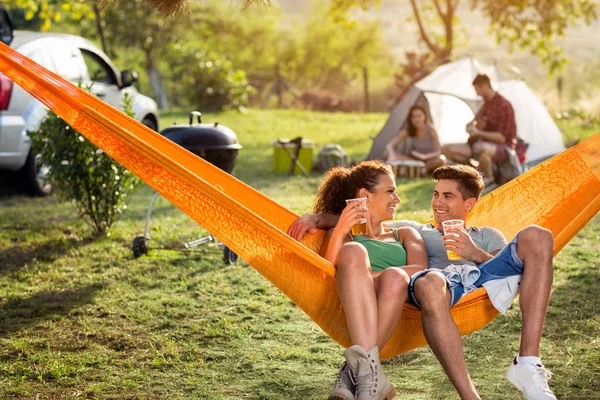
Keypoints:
pixel 562 194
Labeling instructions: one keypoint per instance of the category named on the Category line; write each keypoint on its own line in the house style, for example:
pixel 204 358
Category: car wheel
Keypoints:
pixel 32 178
pixel 149 122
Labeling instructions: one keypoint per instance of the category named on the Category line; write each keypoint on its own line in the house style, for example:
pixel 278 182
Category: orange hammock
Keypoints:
pixel 562 194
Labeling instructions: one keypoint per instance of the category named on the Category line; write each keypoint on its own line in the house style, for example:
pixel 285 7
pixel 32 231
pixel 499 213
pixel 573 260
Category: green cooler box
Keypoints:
pixel 282 160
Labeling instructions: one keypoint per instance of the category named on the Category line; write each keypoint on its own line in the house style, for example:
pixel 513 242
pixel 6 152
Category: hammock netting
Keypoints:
pixel 561 194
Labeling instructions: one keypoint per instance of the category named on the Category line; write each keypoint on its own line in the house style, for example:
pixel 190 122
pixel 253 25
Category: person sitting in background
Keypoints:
pixel 373 269
pixel 419 141
pixel 490 133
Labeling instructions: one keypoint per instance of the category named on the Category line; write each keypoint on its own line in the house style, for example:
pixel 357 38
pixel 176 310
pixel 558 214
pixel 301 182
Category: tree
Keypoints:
pixel 532 25
pixel 46 12
pixel 323 53
pixel 135 24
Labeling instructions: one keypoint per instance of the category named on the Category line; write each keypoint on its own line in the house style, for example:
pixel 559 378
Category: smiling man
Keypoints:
pixel 524 264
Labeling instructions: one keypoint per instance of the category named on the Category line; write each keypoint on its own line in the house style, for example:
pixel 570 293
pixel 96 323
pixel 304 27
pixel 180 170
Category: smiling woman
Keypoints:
pixel 373 268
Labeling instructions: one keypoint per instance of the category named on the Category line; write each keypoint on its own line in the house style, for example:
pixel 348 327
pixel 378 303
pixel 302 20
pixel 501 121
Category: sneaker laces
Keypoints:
pixel 344 378
pixel 541 376
pixel 364 383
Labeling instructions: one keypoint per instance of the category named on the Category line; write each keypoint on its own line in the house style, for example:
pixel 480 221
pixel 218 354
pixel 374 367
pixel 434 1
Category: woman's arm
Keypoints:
pixel 391 146
pixel 332 244
pixel 416 252
pixel 336 237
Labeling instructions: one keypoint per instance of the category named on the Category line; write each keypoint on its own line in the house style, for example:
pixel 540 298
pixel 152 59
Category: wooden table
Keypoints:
pixel 408 168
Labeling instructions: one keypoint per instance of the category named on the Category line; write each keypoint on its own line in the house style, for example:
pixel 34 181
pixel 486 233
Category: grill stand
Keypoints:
pixel 140 243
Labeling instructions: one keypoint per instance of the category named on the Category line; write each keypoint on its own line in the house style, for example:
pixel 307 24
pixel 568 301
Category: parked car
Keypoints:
pixel 77 60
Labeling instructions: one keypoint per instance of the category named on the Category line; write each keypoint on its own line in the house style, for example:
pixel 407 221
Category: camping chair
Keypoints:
pixel 296 146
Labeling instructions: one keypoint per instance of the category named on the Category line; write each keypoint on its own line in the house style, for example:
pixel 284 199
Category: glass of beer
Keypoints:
pixel 361 227
pixel 451 225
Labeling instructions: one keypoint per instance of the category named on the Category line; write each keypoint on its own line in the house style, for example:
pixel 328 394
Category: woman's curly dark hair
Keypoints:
pixel 342 183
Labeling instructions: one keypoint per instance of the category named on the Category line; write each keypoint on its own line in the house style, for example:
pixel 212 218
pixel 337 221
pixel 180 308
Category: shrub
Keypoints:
pixel 79 172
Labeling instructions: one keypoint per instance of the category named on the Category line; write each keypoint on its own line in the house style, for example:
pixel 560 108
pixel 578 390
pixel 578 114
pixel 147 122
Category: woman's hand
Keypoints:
pixel 417 155
pixel 351 215
pixel 335 238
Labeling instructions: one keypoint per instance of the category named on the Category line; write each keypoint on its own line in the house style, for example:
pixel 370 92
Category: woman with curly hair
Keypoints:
pixel 373 270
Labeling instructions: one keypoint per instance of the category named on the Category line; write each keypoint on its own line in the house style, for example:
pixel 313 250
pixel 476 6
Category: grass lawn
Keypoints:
pixel 81 318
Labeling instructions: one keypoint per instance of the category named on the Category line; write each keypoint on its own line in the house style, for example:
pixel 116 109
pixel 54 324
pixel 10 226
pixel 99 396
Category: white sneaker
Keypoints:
pixel 531 380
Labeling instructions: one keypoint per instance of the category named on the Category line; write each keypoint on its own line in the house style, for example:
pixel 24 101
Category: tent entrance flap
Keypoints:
pixel 451 115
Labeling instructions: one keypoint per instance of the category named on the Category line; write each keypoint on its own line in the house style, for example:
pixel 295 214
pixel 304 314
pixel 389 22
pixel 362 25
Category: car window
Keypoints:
pixel 67 61
pixel 98 69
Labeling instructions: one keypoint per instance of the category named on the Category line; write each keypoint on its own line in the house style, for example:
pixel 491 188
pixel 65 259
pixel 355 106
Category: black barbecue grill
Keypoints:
pixel 216 144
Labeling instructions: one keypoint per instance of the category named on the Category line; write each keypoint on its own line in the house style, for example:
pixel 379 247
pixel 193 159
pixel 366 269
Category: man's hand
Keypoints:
pixel 310 223
pixel 304 224
pixel 459 241
pixel 475 133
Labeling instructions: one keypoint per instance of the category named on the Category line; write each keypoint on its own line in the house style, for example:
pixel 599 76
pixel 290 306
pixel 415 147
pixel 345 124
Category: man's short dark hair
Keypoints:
pixel 481 79
pixel 470 182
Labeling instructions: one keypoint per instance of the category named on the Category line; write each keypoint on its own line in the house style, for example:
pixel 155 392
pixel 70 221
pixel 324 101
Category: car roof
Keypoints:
pixel 23 37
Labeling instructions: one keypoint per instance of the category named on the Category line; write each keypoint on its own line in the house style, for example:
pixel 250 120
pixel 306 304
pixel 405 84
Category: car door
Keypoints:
pixel 68 61
pixel 103 78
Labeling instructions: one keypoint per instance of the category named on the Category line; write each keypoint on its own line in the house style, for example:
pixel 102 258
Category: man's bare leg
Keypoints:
pixel 535 246
pixel 458 152
pixel 484 152
pixel 442 333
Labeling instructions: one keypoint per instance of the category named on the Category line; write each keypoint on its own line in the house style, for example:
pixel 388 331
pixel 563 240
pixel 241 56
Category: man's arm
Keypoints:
pixel 480 256
pixel 309 223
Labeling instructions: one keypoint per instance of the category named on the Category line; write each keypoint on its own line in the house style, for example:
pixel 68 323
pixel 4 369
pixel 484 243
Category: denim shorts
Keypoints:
pixel 504 264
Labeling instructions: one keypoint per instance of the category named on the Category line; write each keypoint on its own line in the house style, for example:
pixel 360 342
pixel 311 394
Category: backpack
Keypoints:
pixel 521 150
pixel 330 156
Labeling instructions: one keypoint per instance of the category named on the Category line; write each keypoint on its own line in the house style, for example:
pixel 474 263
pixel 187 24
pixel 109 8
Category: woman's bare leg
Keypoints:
pixel 356 288
pixel 391 287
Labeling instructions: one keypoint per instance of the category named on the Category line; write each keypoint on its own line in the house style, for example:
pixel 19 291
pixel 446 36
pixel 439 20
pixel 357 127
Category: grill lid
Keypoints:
pixel 202 136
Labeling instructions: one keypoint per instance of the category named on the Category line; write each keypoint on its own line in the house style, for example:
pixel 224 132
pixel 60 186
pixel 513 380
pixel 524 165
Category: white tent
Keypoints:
pixel 452 103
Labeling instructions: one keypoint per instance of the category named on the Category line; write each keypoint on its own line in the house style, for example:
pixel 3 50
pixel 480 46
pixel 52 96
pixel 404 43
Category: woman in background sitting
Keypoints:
pixel 419 141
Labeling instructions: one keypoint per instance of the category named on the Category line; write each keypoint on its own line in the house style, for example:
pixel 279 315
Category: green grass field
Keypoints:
pixel 81 318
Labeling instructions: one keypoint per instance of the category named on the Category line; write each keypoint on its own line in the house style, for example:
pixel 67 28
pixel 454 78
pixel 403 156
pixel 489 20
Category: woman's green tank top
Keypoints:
pixel 383 254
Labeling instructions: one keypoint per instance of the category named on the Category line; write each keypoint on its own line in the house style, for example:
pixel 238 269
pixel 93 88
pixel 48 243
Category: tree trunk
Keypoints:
pixel 100 29
pixel 156 82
